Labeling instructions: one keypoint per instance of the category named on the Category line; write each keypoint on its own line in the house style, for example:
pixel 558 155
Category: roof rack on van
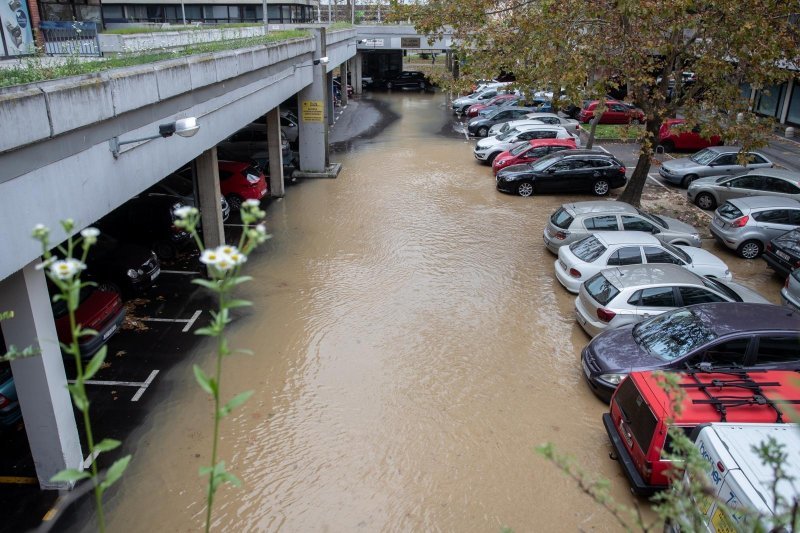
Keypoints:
pixel 739 379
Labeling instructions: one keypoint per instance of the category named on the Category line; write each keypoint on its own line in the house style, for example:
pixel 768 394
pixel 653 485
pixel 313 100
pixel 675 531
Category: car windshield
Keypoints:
pixel 704 157
pixel 677 251
pixel 517 150
pixel 602 290
pixel 657 220
pixel 670 336
pixel 729 211
pixel 789 241
pixel 721 179
pixel 587 249
pixel 721 287
pixel 561 218
pixel 507 135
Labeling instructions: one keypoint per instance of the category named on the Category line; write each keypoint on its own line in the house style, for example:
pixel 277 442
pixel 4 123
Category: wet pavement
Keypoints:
pixel 412 347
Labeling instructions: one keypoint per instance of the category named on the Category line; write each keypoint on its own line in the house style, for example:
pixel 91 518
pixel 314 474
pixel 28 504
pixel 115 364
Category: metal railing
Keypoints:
pixel 70 38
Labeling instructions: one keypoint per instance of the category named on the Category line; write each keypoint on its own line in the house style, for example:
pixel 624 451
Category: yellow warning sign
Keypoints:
pixel 313 111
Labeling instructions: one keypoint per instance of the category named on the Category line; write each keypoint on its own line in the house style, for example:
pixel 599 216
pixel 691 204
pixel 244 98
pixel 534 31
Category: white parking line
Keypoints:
pixel 142 385
pixel 89 459
pixel 189 321
pixel 654 179
pixel 603 149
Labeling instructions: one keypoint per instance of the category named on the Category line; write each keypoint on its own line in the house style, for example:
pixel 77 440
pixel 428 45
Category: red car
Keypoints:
pixel 530 152
pixel 241 181
pixel 689 140
pixel 500 99
pixel 100 310
pixel 616 113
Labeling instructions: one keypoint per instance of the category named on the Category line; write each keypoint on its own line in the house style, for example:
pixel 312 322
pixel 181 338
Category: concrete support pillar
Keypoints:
pixel 358 83
pixel 274 148
pixel 787 100
pixel 40 380
pixel 312 103
pixel 330 99
pixel 343 72
pixel 207 176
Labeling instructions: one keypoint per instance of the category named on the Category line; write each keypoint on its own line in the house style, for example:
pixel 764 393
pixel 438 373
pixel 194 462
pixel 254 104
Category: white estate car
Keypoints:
pixel 569 124
pixel 584 258
pixel 490 147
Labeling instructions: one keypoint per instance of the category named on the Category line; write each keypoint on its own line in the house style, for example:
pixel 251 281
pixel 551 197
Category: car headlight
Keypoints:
pixel 695 236
pixel 612 379
pixel 501 162
pixel 132 273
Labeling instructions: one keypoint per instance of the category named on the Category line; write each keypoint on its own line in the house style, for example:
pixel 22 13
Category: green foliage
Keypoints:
pixel 132 30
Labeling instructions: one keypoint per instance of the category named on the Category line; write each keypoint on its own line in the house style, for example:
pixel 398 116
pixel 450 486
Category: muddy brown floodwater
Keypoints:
pixel 412 348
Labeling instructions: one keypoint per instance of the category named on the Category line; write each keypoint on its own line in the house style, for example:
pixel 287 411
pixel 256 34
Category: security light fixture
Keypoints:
pixel 321 61
pixel 185 127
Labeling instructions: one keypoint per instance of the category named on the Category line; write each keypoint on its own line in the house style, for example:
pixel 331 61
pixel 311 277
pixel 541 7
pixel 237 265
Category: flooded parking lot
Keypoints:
pixel 412 347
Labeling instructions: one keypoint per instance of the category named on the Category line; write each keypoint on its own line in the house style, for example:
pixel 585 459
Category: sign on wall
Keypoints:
pixel 16 24
pixel 374 43
pixel 313 111
pixel 409 42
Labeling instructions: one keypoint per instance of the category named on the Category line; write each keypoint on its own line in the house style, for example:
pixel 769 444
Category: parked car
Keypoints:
pixel 583 259
pixel 98 309
pixel 10 412
pixel 530 152
pixel 571 125
pixel 240 182
pixel 486 150
pixel 641 413
pixel 711 161
pixel 752 496
pixel 748 224
pixel 117 265
pixel 615 113
pixel 408 79
pixel 782 253
pixel 479 126
pixel 247 141
pixel 567 171
pixel 462 104
pixel 708 193
pixel 671 137
pixel 505 127
pixel 179 184
pixel 576 220
pixel 516 100
pixel 625 295
pixel 496 102
pixel 790 293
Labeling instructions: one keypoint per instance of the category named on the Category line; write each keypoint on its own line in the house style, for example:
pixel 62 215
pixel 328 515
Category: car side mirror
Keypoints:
pixel 655 231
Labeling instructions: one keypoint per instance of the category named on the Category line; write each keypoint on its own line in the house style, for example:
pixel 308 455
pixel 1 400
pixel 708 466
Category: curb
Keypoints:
pixel 782 138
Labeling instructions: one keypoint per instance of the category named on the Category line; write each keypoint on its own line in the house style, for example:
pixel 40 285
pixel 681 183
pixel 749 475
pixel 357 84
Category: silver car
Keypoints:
pixel 790 293
pixel 748 224
pixel 574 221
pixel 708 193
pixel 490 147
pixel 711 161
pixel 629 294
pixel 460 105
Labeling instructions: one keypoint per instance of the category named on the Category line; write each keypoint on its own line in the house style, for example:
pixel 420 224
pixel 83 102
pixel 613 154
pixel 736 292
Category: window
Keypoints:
pixel 561 218
pixel 726 159
pixel 668 449
pixel 747 182
pixel 536 153
pixel 794 217
pixel 773 216
pixel 112 12
pixel 658 255
pixel 549 120
pixel 658 297
pixel 755 159
pixel 630 255
pixel 729 211
pixel 696 295
pixel 778 349
pixel 602 290
pixel 779 185
pixel 554 149
pixel 636 413
pixel 601 163
pixel 608 223
pixel 587 249
pixel 731 353
pixel 631 223
pixel 544 134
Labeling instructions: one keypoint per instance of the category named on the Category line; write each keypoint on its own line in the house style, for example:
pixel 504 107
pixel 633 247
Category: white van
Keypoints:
pixel 738 476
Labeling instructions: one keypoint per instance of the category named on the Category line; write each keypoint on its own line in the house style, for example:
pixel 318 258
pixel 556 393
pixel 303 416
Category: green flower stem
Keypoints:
pixel 212 482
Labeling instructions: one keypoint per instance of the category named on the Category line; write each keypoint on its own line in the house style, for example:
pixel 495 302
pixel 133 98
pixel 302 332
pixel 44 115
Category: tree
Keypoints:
pixel 582 49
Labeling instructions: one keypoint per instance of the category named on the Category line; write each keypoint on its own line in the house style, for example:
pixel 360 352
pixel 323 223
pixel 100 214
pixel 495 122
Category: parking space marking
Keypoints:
pixel 18 480
pixel 189 321
pixel 603 149
pixel 183 272
pixel 90 458
pixel 142 385
pixel 675 193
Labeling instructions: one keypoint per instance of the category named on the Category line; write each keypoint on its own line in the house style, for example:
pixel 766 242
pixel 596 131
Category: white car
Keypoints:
pixel 584 258
pixel 569 124
pixel 499 129
pixel 490 147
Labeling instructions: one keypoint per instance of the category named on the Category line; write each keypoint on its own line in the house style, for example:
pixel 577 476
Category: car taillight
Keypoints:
pixel 253 178
pixel 647 470
pixel 740 222
pixel 3 402
pixel 769 246
pixel 797 264
pixel 605 315
pixel 622 170
pixel 574 272
pixel 561 235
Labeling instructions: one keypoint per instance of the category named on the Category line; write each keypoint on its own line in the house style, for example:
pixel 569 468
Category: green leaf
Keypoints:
pixel 206 383
pixel 207 331
pixel 244 351
pixel 211 285
pixel 70 474
pixel 78 397
pixel 238 303
pixel 86 331
pixel 205 470
pixel 106 445
pixel 115 472
pixel 235 402
pixel 95 364
pixel 238 280
pixel 230 478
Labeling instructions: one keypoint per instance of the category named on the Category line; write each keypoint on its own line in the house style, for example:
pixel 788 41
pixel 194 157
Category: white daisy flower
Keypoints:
pixel 224 263
pixel 238 258
pixel 90 233
pixel 210 257
pixel 66 268
pixel 251 203
pixel 261 229
pixel 184 211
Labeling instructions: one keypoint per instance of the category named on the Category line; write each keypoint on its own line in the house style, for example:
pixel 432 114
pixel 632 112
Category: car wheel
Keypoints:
pixel 165 250
pixel 107 286
pixel 483 131
pixel 667 146
pixel 635 121
pixel 525 188
pixel 687 180
pixel 422 86
pixel 705 201
pixel 464 109
pixel 235 202
pixel 750 249
pixel 600 187
pixel 492 157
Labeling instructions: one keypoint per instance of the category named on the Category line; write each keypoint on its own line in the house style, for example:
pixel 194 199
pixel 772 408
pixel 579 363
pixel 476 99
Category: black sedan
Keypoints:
pixel 568 171
pixel 479 126
pixel 408 79
pixel 783 253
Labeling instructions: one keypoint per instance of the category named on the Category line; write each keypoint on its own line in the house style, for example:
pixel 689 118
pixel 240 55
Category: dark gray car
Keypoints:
pixel 711 161
pixel 708 193
pixel 720 335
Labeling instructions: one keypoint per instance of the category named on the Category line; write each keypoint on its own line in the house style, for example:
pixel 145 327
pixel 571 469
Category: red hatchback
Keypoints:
pixel 99 310
pixel 671 138
pixel 530 152
pixel 616 113
pixel 241 181
pixel 498 100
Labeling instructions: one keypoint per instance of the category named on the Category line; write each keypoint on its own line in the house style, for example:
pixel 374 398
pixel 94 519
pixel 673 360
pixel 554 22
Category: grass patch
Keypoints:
pixel 145 29
pixel 340 26
pixel 33 69
pixel 616 132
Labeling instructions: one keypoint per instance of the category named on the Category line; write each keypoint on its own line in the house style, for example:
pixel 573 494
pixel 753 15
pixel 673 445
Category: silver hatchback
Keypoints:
pixel 790 293
pixel 574 221
pixel 748 224
pixel 711 161
pixel 629 294
pixel 708 193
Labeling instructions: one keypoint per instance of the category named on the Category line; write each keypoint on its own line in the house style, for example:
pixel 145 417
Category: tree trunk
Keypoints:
pixel 633 190
pixel 592 128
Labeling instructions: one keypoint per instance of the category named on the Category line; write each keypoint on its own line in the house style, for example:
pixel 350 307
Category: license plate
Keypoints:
pixel 562 265
pixel 108 333
pixel 722 523
pixel 550 232
pixel 782 255
pixel 582 322
pixel 155 274
pixel 718 221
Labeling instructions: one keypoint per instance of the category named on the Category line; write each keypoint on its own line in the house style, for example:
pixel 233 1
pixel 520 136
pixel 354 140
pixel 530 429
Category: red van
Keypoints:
pixel 641 412
pixel 671 138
